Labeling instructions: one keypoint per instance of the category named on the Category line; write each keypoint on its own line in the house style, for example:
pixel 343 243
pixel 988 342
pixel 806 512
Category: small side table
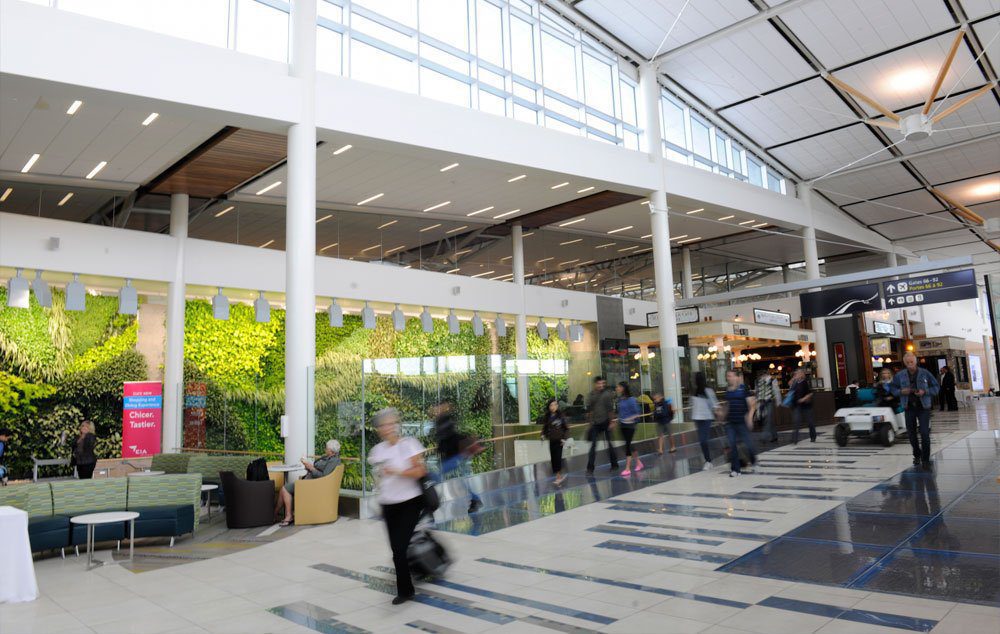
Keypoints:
pixel 209 488
pixel 135 474
pixel 93 519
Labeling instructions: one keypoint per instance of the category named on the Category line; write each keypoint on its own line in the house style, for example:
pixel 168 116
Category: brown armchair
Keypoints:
pixel 248 503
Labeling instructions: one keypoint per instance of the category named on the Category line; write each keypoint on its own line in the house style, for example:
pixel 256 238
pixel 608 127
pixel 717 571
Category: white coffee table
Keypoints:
pixel 93 519
pixel 133 474
pixel 208 500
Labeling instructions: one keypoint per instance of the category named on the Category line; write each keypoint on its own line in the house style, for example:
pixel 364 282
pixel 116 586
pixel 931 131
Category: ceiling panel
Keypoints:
pixel 975 9
pixel 795 112
pixel 987 31
pixel 989 209
pixel 975 191
pixel 819 155
pixel 870 183
pixel 752 60
pixel 930 225
pixel 848 30
pixel 945 166
pixel 899 207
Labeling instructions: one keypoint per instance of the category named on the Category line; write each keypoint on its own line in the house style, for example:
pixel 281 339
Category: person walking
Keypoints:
pixel 802 405
pixel 704 407
pixel 452 447
pixel 556 430
pixel 600 410
pixel 947 392
pixel 915 387
pixel 399 466
pixel 663 413
pixel 84 458
pixel 739 416
pixel 628 417
pixel 768 394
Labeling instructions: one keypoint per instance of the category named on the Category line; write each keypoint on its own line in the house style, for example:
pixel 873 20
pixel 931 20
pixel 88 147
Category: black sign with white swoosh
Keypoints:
pixel 841 301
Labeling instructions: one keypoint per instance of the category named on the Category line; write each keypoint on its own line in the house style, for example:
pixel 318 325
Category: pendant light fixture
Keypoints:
pixel 543 329
pixel 453 326
pixel 220 306
pixel 427 321
pixel 128 299
pixel 336 314
pixel 17 291
pixel 398 319
pixel 368 317
pixel 501 326
pixel 561 331
pixel 76 294
pixel 261 309
pixel 42 293
pixel 477 324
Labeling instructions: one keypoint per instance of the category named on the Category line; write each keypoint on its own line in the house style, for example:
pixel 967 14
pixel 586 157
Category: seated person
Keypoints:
pixel 884 396
pixel 323 466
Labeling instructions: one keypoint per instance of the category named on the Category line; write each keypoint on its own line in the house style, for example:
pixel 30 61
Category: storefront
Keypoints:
pixel 937 352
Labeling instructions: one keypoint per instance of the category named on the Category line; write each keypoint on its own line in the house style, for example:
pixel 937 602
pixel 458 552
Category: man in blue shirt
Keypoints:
pixel 914 386
pixel 739 414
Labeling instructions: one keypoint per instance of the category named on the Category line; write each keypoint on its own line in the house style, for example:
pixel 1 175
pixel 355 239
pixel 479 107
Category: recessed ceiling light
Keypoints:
pixel 438 206
pixel 726 218
pixel 97 169
pixel 747 222
pixel 762 224
pixel 482 274
pixel 620 229
pixel 986 189
pixel 562 244
pixel 694 211
pixel 563 184
pixel 456 229
pixel 225 211
pixel 329 246
pixel 500 277
pixel 585 189
pixel 679 237
pixel 584 262
pixel 151 118
pixel 517 178
pixel 689 240
pixel 65 199
pixel 374 246
pixel 506 258
pixel 394 249
pixel 267 244
pixel 548 281
pixel 430 227
pixel 909 80
pixel 269 187
pixel 387 224
pixel 73 107
pixel 604 246
pixel 648 235
pixel 634 246
pixel 479 211
pixel 453 271
pixel 530 233
pixel 645 202
pixel 368 200
pixel 551 257
pixel 506 213
pixel 572 222
pixel 326 217
pixel 342 149
pixel 31 161
pixel 569 261
pixel 463 252
pixel 449 167
pixel 644 250
pixel 6 193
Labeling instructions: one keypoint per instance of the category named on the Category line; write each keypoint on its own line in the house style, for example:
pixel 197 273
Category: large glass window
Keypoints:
pixel 443 88
pixel 205 21
pixel 558 65
pixel 701 138
pixel 597 87
pixel 753 171
pixel 446 20
pixel 329 47
pixel 628 111
pixel 489 32
pixel 262 30
pixel 673 123
pixel 522 48
pixel 402 11
pixel 381 67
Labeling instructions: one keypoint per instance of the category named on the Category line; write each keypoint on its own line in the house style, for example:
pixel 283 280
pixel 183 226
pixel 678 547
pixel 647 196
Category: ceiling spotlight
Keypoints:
pixel 563 184
pixel 97 168
pixel 261 309
pixel 7 192
pixel 561 331
pixel 449 167
pixel 128 299
pixel 438 206
pixel 151 118
pixel 426 321
pixel 695 211
pixel 17 291
pixel 398 319
pixel 370 198
pixel 453 326
pixel 220 306
pixel 619 229
pixel 42 293
pixel 342 149
pixel 73 107
pixel 730 217
pixel 501 326
pixel 268 188
pixel 572 222
pixel 516 178
pixel 584 190
pixel 368 317
pixel 477 324
pixel 225 211
pixel 543 329
pixel 479 211
pixel 336 314
pixel 76 294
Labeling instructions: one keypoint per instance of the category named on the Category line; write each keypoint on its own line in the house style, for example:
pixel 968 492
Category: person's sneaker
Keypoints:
pixel 626 473
pixel 707 467
pixel 639 466
pixel 474 506
pixel 734 474
pixel 401 599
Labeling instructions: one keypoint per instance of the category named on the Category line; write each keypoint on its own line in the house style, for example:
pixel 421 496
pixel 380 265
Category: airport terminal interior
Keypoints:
pixel 499 316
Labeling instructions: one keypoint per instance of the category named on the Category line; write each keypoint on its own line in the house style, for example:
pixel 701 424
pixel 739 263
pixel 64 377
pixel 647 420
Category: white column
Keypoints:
pixel 890 258
pixel 687 284
pixel 173 361
pixel 812 272
pixel 300 238
pixel 520 326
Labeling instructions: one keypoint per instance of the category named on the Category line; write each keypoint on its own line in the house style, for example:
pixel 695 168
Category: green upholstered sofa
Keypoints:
pixel 46 530
pixel 167 504
pixel 171 462
pixel 210 466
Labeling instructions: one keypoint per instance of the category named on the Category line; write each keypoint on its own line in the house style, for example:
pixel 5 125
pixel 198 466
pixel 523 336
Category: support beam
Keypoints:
pixel 173 361
pixel 520 326
pixel 686 282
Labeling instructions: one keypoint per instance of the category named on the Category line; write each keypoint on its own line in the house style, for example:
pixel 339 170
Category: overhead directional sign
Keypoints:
pixel 840 301
pixel 932 288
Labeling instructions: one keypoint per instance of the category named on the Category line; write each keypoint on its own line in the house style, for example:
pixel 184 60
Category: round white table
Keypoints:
pixel 17 574
pixel 146 472
pixel 93 519
pixel 209 488
pixel 286 469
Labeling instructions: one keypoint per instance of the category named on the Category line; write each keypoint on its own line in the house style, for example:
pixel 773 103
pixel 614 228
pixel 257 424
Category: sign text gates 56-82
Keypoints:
pixel 932 288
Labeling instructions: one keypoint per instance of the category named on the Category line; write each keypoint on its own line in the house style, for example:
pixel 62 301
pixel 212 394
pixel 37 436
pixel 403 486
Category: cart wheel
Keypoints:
pixel 887 435
pixel 841 434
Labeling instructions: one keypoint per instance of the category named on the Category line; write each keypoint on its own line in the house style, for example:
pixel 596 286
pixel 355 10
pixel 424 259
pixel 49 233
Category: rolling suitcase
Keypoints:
pixel 427 557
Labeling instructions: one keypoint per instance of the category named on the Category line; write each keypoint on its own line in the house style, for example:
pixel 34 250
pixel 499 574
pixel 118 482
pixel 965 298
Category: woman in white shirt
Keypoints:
pixel 399 464
pixel 703 408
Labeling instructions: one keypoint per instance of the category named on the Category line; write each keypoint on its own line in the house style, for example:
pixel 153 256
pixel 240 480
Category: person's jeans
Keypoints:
pixel 85 471
pixel 922 445
pixel 457 467
pixel 401 520
pixel 704 427
pixel 596 430
pixel 555 453
pixel 806 413
pixel 767 421
pixel 735 433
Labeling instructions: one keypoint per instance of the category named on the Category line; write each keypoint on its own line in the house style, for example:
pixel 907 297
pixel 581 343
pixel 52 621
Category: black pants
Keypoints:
pixel 85 471
pixel 628 433
pixel 597 430
pixel 919 420
pixel 555 452
pixel 797 415
pixel 947 399
pixel 401 520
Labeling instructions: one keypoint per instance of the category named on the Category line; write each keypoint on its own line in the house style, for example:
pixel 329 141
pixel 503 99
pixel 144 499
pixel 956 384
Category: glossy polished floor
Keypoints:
pixel 820 539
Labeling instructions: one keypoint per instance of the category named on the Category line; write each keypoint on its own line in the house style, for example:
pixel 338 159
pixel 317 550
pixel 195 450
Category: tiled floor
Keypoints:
pixel 656 553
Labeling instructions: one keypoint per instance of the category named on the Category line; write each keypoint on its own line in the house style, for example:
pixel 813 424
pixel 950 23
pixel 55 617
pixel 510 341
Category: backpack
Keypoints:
pixel 257 470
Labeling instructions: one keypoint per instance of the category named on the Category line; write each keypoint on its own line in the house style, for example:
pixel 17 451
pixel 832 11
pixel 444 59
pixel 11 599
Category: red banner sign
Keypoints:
pixel 142 411
pixel 195 396
pixel 840 352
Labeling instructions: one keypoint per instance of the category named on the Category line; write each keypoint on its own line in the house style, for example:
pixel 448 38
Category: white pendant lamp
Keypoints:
pixel 543 329
pixel 17 291
pixel 501 326
pixel 220 306
pixel 453 326
pixel 427 321
pixel 368 317
pixel 42 293
pixel 576 332
pixel 261 309
pixel 398 319
pixel 561 331
pixel 76 294
pixel 128 299
pixel 477 324
pixel 336 314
